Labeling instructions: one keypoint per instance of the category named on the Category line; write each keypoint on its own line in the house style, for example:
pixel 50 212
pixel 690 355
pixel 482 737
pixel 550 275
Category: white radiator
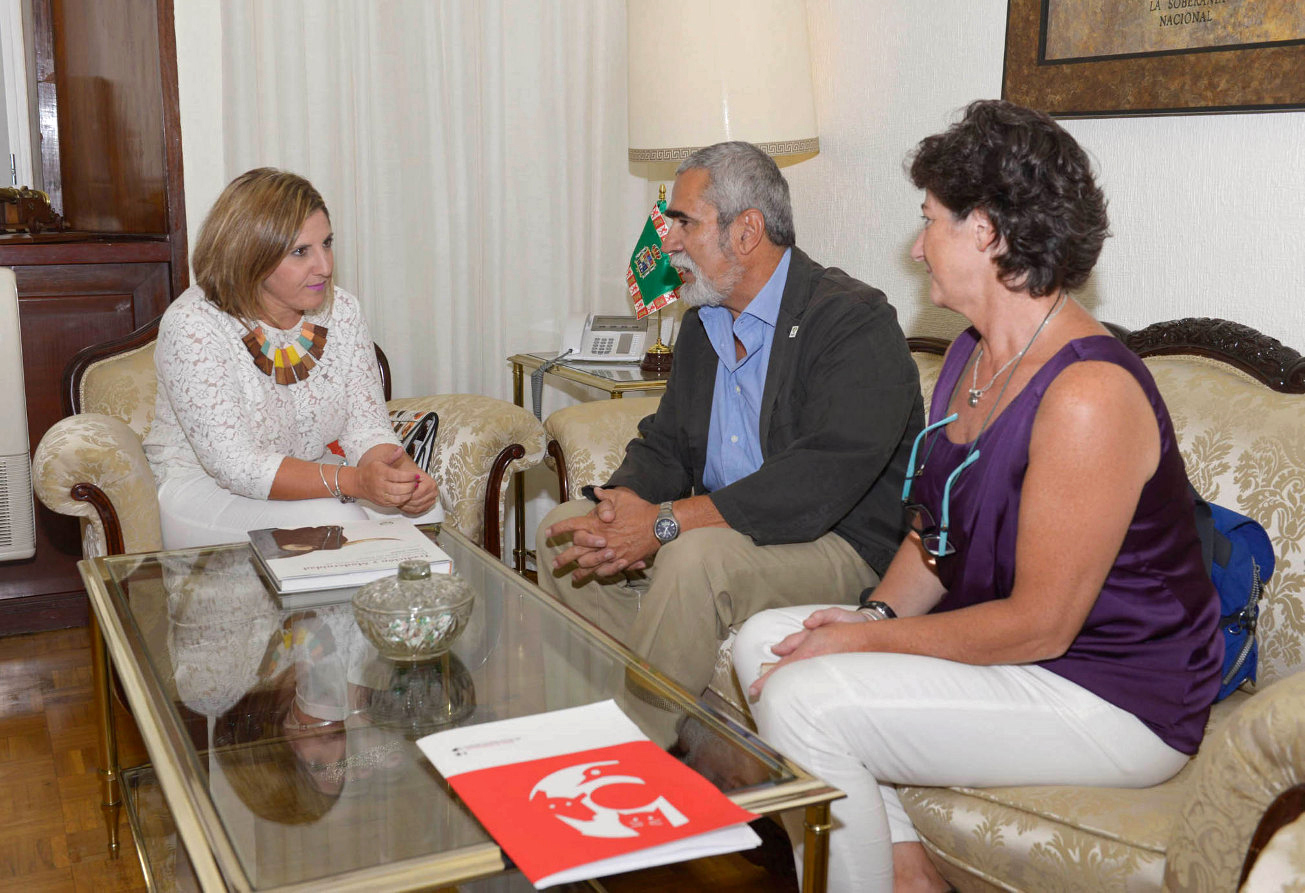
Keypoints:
pixel 17 521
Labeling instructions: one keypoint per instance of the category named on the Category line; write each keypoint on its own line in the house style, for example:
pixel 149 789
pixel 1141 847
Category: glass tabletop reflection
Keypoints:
pixel 299 738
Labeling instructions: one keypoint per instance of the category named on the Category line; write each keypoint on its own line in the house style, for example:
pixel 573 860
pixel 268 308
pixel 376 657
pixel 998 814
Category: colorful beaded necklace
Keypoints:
pixel 290 363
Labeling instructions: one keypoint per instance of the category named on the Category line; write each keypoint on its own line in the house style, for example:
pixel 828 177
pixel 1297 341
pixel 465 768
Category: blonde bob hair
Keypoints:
pixel 248 232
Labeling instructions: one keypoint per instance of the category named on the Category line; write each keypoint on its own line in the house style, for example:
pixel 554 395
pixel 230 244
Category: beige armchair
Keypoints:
pixel 91 464
pixel 586 442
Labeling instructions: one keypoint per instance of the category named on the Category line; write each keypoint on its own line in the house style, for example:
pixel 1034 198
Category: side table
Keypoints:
pixel 614 379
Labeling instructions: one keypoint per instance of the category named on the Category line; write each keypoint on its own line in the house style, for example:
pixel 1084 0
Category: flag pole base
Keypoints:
pixel 657 360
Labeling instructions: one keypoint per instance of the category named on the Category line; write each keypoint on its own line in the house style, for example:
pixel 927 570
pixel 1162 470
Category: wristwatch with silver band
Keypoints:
pixel 665 528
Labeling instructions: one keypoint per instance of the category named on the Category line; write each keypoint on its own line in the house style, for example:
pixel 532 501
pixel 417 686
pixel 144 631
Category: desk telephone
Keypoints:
pixel 599 337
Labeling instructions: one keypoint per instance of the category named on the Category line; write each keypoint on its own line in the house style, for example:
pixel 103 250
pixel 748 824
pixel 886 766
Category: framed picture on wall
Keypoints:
pixel 1081 58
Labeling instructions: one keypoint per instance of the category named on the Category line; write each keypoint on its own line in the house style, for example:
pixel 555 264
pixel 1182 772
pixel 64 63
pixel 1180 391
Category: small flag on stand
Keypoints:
pixel 651 279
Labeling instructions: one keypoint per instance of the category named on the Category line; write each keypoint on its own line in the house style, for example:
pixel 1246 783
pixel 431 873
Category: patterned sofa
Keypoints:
pixel 1235 397
pixel 91 465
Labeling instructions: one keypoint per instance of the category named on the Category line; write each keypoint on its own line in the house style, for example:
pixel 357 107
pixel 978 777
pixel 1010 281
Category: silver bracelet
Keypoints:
pixel 321 470
pixel 337 492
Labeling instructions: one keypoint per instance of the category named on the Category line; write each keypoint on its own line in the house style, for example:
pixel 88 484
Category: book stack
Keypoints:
pixel 341 556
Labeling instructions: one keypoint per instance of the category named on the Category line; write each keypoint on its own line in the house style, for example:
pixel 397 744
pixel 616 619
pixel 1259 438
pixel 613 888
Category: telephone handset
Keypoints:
pixel 600 337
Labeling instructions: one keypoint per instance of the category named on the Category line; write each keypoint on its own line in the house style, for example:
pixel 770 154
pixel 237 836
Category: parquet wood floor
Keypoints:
pixel 52 835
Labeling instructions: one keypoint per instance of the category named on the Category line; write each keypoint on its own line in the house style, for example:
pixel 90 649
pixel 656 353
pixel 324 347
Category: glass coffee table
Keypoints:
pixel 281 746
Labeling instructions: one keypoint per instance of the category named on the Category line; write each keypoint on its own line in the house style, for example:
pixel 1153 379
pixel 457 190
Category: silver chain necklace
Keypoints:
pixel 975 392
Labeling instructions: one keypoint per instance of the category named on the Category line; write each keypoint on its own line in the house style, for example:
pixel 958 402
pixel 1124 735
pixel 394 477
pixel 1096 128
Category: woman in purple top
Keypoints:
pixel 1050 620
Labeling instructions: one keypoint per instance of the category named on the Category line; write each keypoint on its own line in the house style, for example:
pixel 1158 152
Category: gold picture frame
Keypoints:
pixel 1099 71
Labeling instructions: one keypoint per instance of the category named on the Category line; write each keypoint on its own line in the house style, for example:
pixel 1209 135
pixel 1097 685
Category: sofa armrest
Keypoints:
pixel 1245 763
pixel 92 466
pixel 481 442
pixel 1280 861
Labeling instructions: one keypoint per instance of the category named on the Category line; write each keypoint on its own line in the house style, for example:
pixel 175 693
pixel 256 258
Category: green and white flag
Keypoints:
pixel 651 279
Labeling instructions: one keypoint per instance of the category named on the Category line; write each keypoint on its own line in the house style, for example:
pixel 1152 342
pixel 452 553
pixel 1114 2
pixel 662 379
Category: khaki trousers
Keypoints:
pixel 708 581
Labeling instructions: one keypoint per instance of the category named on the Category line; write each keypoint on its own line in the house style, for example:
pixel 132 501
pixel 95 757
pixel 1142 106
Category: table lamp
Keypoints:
pixel 706 71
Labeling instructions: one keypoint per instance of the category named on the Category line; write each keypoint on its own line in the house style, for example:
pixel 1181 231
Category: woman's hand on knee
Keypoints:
pixel 835 634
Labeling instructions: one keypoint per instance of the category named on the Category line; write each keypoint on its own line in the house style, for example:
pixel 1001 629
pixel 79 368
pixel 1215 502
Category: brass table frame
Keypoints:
pixel 200 829
pixel 614 389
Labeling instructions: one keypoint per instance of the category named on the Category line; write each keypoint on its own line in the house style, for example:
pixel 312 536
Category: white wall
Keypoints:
pixel 1207 211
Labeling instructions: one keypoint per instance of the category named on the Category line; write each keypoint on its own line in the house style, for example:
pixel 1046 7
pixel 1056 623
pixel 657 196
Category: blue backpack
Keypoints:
pixel 1239 557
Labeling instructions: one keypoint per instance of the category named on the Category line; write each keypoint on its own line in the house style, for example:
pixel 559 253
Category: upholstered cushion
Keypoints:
pixel 473 431
pixel 593 436
pixel 1244 445
pixel 1055 837
pixel 123 386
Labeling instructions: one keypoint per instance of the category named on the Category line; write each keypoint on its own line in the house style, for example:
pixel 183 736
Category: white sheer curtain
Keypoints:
pixel 473 156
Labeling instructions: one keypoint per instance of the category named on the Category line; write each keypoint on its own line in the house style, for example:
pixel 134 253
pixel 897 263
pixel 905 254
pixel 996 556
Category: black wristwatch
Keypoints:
pixel 877 610
pixel 665 528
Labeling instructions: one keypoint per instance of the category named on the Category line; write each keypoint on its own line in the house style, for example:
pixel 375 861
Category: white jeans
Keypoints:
pixel 199 512
pixel 864 722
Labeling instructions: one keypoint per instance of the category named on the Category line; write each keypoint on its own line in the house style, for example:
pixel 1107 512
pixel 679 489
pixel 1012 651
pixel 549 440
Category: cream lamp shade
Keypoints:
pixel 704 71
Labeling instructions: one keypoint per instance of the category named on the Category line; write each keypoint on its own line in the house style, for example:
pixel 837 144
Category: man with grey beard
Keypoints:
pixel 771 473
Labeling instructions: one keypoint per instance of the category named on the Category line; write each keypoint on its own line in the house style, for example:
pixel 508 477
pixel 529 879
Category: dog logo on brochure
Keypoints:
pixel 581 792
pixel 573 796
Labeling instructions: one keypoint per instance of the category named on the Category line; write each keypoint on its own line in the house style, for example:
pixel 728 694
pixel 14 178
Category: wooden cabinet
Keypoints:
pixel 106 85
pixel 71 294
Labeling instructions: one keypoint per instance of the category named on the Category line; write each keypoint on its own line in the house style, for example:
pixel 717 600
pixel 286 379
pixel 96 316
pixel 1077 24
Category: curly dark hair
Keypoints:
pixel 1033 181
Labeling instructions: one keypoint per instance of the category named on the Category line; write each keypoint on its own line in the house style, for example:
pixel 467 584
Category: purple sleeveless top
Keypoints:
pixel 1151 643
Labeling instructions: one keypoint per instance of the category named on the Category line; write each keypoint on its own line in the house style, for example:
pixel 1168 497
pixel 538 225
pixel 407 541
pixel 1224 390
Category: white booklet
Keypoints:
pixel 333 556
pixel 581 793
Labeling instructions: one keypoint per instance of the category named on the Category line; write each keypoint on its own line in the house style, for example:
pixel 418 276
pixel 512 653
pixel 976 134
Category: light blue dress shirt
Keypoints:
pixel 734 438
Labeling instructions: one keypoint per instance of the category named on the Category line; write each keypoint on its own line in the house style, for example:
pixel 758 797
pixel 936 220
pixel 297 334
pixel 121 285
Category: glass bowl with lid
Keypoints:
pixel 414 615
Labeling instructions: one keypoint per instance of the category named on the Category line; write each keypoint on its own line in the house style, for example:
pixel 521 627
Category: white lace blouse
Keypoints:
pixel 216 413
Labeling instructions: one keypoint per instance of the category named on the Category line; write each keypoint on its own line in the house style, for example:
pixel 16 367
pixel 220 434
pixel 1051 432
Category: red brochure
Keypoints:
pixel 618 804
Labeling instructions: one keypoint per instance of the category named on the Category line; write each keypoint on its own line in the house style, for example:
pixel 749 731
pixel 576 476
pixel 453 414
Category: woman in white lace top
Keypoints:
pixel 261 366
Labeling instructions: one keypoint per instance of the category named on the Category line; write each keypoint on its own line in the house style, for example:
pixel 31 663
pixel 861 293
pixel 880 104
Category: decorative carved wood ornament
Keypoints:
pixel 28 210
pixel 1265 358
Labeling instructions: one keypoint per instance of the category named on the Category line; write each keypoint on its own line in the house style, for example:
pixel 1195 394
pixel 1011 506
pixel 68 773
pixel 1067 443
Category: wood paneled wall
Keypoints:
pixel 110 112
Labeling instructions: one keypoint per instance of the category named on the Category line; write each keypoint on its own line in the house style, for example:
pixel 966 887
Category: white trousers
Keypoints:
pixel 864 722
pixel 197 511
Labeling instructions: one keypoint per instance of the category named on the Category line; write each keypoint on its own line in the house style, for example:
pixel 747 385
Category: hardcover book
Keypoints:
pixel 581 793
pixel 335 556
